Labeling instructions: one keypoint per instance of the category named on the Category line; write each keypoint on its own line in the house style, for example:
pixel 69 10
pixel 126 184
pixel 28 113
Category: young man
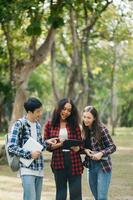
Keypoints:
pixel 22 130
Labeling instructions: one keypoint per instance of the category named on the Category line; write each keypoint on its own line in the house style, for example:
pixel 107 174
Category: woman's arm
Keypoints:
pixel 47 137
pixel 108 145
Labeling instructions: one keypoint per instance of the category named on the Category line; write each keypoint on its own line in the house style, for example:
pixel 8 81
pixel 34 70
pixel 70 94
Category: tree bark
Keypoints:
pixel 76 65
pixel 114 97
pixel 7 33
pixel 25 69
pixel 53 81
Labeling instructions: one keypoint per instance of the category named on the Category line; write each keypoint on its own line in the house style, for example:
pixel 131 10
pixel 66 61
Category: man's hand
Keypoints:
pixel 35 154
pixel 51 141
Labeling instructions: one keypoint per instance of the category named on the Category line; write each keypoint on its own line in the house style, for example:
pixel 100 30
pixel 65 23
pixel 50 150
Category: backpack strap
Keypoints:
pixel 20 136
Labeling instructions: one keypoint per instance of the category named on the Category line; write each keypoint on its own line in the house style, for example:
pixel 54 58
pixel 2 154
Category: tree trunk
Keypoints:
pixel 114 98
pixel 53 81
pixel 76 64
pixel 18 104
pixel 25 69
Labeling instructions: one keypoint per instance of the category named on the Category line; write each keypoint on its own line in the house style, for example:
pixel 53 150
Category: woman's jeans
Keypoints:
pixel 32 187
pixel 98 180
pixel 64 176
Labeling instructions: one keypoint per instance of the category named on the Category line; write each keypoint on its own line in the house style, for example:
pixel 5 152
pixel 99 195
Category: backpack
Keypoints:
pixel 13 160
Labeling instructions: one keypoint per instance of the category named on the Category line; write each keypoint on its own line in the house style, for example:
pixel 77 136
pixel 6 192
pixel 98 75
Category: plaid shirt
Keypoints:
pixel 106 146
pixel 19 134
pixel 57 157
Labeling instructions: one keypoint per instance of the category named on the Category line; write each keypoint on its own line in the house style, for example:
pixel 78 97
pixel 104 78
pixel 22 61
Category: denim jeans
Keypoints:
pixel 32 187
pixel 98 180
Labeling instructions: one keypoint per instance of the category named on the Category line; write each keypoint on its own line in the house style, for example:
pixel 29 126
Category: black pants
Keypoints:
pixel 64 176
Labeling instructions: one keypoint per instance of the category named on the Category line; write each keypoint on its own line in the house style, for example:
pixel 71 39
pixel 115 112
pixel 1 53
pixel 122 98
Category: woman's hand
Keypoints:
pixel 75 148
pixel 58 144
pixel 88 152
pixel 97 156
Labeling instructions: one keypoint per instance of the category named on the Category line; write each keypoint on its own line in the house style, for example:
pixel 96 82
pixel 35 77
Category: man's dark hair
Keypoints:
pixel 32 104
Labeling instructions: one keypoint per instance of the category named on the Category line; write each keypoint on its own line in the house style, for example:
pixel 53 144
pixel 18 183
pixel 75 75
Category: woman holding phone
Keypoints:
pixel 98 147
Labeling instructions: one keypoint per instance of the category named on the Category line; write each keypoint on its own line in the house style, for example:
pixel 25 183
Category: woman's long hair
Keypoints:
pixel 72 120
pixel 96 126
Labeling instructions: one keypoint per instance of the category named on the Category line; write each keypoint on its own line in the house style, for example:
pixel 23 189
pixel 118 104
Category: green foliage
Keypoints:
pixel 31 10
pixel 40 84
pixel 111 30
pixel 6 93
pixel 34 28
pixel 56 21
pixel 127 112
pixel 56 14
pixel 6 10
pixel 126 94
pixel 26 18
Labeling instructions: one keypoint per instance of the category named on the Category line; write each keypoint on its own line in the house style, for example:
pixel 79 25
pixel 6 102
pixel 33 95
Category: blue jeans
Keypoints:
pixel 32 187
pixel 98 180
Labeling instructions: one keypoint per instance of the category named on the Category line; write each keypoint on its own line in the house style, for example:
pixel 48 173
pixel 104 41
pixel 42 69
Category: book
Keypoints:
pixel 70 143
pixel 31 145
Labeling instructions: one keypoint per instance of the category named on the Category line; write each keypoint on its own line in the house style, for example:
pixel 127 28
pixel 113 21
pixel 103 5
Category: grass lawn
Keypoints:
pixel 121 187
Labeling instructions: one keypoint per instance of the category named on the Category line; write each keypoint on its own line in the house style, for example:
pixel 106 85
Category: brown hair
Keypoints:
pixel 96 126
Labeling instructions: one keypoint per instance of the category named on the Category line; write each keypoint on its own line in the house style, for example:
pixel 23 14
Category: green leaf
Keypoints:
pixel 56 21
pixel 34 28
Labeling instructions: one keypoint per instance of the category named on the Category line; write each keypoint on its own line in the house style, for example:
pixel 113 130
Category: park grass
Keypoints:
pixel 122 179
pixel 121 187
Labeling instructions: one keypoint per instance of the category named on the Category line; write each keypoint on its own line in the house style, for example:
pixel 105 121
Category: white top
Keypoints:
pixel 63 133
pixel 27 171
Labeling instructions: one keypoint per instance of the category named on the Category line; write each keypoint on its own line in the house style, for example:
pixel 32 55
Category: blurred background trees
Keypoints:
pixel 73 48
